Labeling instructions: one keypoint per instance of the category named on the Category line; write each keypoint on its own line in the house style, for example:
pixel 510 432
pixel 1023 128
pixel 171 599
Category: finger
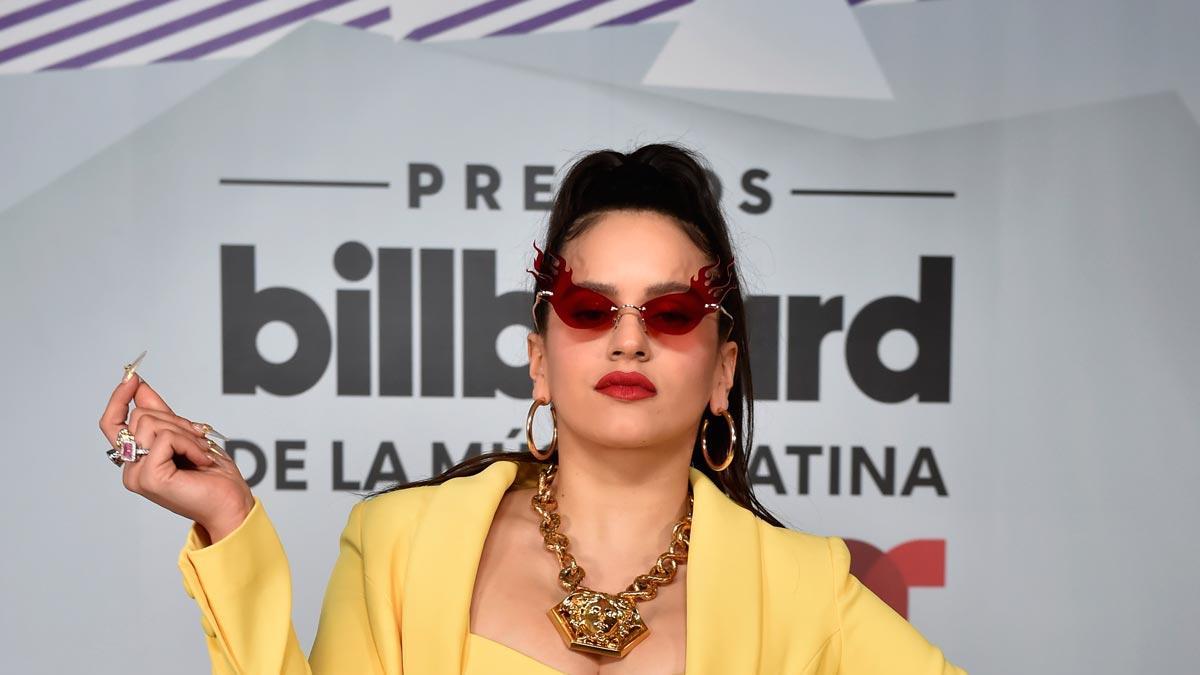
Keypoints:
pixel 151 429
pixel 131 472
pixel 186 445
pixel 113 417
pixel 146 397
pixel 129 476
pixel 166 446
pixel 182 423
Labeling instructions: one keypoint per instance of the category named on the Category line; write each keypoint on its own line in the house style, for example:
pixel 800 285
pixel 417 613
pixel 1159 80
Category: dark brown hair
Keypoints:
pixel 674 181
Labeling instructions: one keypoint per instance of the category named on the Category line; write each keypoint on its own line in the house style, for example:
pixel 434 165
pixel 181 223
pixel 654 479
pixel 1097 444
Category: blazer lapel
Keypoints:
pixel 724 581
pixel 724 584
pixel 441 569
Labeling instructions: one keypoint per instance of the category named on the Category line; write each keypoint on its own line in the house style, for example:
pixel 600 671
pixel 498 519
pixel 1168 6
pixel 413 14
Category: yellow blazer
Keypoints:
pixel 760 599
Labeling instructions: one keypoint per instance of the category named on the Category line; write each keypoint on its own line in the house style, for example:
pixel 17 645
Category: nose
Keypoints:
pixel 628 338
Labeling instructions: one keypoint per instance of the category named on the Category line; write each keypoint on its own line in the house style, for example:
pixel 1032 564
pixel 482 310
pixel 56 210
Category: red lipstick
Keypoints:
pixel 630 386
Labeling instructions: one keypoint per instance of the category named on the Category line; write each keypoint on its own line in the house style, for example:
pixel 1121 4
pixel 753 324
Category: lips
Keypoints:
pixel 629 386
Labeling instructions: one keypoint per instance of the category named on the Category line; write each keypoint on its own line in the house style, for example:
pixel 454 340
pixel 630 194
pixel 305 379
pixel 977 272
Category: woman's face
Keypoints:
pixel 630 252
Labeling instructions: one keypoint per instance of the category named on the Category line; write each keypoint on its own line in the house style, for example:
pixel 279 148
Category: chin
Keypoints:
pixel 617 430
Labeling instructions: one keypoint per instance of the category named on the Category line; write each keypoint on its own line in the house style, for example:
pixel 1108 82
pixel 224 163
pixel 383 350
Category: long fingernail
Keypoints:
pixel 131 367
pixel 214 432
pixel 202 427
pixel 213 447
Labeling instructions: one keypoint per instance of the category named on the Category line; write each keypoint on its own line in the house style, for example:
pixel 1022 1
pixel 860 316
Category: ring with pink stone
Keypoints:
pixel 127 448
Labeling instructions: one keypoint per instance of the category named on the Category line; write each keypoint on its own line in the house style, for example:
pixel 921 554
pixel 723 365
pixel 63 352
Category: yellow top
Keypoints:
pixel 488 657
pixel 760 599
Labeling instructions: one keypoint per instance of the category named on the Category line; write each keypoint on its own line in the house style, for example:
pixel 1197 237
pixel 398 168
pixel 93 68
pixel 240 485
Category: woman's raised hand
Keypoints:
pixel 181 473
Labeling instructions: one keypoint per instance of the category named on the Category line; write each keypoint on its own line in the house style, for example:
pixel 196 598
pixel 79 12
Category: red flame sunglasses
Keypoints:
pixel 672 314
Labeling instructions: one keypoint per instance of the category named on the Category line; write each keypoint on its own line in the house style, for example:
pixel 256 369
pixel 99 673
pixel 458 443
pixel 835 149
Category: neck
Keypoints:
pixel 621 499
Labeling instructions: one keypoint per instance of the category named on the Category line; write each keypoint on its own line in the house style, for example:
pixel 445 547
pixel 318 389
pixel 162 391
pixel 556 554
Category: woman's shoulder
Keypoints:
pixel 400 510
pixel 798 554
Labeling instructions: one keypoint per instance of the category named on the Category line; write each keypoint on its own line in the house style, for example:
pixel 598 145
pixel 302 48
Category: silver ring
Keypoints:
pixel 127 449
pixel 115 455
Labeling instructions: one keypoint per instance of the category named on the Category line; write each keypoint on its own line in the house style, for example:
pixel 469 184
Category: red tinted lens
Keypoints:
pixel 674 314
pixel 583 308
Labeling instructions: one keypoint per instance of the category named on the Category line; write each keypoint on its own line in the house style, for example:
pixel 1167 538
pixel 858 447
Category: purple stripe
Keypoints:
pixel 644 13
pixel 33 12
pixel 68 32
pixel 546 18
pixel 156 33
pixel 374 18
pixel 253 30
pixel 455 20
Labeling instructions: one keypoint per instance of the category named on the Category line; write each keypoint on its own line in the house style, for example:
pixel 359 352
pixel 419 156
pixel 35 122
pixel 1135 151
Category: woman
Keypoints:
pixel 514 562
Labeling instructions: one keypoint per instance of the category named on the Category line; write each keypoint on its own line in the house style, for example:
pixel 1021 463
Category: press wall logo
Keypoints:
pixel 392 360
pixel 919 563
pixel 386 356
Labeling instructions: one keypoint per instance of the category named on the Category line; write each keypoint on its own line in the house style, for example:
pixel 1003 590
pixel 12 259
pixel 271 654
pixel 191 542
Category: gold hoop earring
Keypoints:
pixel 728 452
pixel 540 455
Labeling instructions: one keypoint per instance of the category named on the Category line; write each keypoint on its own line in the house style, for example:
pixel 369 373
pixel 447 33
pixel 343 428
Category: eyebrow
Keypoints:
pixel 653 289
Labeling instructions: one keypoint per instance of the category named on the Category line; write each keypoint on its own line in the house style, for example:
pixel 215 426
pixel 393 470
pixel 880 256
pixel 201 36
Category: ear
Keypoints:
pixel 535 346
pixel 723 372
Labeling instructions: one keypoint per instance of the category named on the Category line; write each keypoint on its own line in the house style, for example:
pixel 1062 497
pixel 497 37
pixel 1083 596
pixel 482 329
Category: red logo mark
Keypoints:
pixel 916 563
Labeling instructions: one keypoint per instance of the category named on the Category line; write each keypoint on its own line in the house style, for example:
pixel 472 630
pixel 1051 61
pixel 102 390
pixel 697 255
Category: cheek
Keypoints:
pixel 695 352
pixel 685 376
pixel 685 363
pixel 570 357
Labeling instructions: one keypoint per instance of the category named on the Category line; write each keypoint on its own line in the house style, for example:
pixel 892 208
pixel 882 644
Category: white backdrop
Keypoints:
pixel 1053 442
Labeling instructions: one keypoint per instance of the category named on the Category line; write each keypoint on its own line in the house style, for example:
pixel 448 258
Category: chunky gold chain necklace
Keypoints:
pixel 592 621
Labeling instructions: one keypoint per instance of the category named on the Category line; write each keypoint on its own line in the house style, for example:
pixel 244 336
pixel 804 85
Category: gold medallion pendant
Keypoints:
pixel 591 621
pixel 599 623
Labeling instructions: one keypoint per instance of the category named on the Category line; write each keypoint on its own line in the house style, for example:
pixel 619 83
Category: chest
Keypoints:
pixel 516 585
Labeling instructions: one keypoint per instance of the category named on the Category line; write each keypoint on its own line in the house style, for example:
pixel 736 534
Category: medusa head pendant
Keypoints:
pixel 598 623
